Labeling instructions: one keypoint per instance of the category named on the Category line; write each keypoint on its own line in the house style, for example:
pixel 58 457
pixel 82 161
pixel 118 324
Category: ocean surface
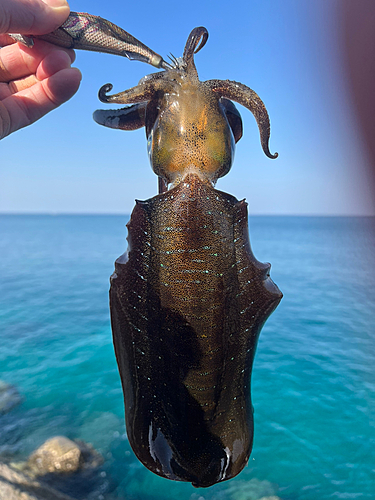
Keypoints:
pixel 314 374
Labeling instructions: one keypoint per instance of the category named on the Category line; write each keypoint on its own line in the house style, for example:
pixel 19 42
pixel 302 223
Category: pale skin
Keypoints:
pixel 33 81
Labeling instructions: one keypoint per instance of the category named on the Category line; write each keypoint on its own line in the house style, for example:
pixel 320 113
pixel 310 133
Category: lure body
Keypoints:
pixel 188 299
pixel 87 32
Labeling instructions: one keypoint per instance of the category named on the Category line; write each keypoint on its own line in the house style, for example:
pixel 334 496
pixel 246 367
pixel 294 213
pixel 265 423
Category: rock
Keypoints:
pixel 60 455
pixel 17 486
pixel 91 458
pixel 9 397
pixel 273 497
pixel 253 489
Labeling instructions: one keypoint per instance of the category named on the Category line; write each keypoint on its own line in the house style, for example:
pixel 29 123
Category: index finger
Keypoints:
pixel 17 61
pixel 32 17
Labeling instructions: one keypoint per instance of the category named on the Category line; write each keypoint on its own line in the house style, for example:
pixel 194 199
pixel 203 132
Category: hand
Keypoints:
pixel 33 81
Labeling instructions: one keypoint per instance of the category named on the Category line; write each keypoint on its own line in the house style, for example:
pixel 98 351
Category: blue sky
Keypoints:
pixel 285 50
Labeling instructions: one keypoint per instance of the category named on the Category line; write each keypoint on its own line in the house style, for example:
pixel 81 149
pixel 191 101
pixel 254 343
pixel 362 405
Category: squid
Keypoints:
pixel 188 299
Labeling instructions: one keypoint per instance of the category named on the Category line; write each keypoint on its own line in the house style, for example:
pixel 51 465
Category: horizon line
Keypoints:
pixel 120 214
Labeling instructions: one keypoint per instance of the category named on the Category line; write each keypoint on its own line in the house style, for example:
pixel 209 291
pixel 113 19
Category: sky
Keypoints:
pixel 288 51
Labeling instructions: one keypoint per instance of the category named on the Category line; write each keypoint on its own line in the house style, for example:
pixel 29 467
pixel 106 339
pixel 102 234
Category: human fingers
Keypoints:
pixel 51 64
pixel 32 17
pixel 17 61
pixel 6 40
pixel 28 105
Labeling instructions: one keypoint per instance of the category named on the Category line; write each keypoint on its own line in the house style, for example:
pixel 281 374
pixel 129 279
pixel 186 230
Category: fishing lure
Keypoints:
pixel 188 299
pixel 87 32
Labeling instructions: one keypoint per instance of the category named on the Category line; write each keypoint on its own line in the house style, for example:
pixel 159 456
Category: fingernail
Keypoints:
pixel 56 3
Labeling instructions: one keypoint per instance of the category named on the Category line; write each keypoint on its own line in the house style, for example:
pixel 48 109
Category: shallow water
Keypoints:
pixel 314 374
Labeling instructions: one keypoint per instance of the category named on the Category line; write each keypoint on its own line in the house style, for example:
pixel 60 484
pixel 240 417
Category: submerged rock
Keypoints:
pixel 273 497
pixel 253 489
pixel 9 397
pixel 16 486
pixel 60 455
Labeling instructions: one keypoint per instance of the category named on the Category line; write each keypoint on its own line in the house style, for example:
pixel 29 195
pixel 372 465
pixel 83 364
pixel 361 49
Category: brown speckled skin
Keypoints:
pixel 187 309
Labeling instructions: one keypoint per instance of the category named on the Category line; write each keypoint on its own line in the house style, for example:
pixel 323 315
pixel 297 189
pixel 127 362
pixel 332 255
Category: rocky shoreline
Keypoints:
pixel 61 467
pixel 57 458
pixel 44 474
pixel 15 485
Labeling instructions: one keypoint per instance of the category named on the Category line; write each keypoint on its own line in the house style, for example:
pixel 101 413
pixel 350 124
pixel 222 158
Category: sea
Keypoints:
pixel 313 383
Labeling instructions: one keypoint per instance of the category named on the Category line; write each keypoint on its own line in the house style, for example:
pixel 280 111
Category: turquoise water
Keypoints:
pixel 314 373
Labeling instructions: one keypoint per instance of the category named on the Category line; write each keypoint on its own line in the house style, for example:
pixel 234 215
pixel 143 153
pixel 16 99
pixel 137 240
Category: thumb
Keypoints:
pixel 32 17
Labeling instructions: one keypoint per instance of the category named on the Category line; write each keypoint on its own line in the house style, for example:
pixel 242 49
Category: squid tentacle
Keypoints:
pixel 195 42
pixel 128 118
pixel 249 99
pixel 142 92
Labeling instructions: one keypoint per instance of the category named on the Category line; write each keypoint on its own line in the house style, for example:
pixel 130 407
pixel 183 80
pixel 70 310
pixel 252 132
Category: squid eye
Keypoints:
pixel 152 112
pixel 233 117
